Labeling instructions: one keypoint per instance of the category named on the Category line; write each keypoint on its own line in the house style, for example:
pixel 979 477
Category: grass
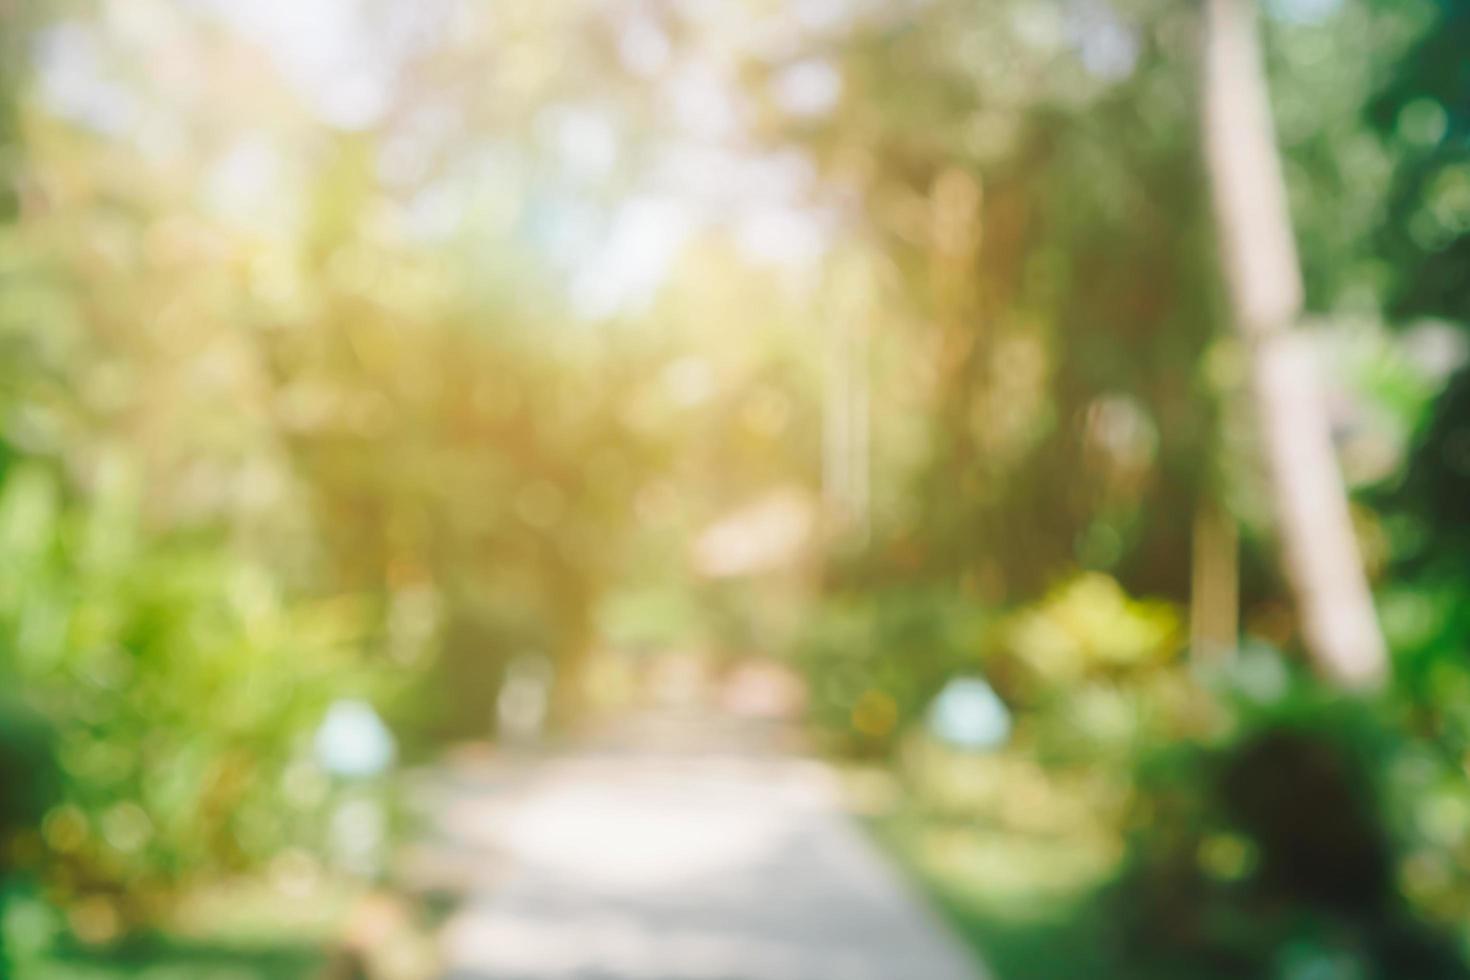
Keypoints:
pixel 245 931
pixel 1015 859
pixel 1024 906
pixel 168 958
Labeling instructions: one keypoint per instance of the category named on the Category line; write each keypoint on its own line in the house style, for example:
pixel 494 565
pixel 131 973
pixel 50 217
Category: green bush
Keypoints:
pixel 181 689
pixel 1295 843
pixel 873 663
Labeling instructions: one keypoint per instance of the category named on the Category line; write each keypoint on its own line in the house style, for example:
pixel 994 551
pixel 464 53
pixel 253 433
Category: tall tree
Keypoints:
pixel 1321 555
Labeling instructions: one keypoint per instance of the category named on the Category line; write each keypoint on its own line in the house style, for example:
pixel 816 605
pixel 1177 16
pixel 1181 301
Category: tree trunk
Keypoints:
pixel 1214 607
pixel 1320 552
pixel 846 412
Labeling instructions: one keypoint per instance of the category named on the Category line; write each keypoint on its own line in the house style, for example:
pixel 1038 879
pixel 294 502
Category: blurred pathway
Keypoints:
pixel 676 850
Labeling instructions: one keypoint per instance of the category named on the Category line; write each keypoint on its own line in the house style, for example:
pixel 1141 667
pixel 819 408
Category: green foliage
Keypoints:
pixel 1088 668
pixel 874 662
pixel 1296 838
pixel 1421 109
pixel 181 686
pixel 1090 626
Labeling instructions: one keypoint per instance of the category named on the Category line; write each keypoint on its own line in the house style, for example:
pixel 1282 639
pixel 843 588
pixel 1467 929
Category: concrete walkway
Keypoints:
pixel 677 850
